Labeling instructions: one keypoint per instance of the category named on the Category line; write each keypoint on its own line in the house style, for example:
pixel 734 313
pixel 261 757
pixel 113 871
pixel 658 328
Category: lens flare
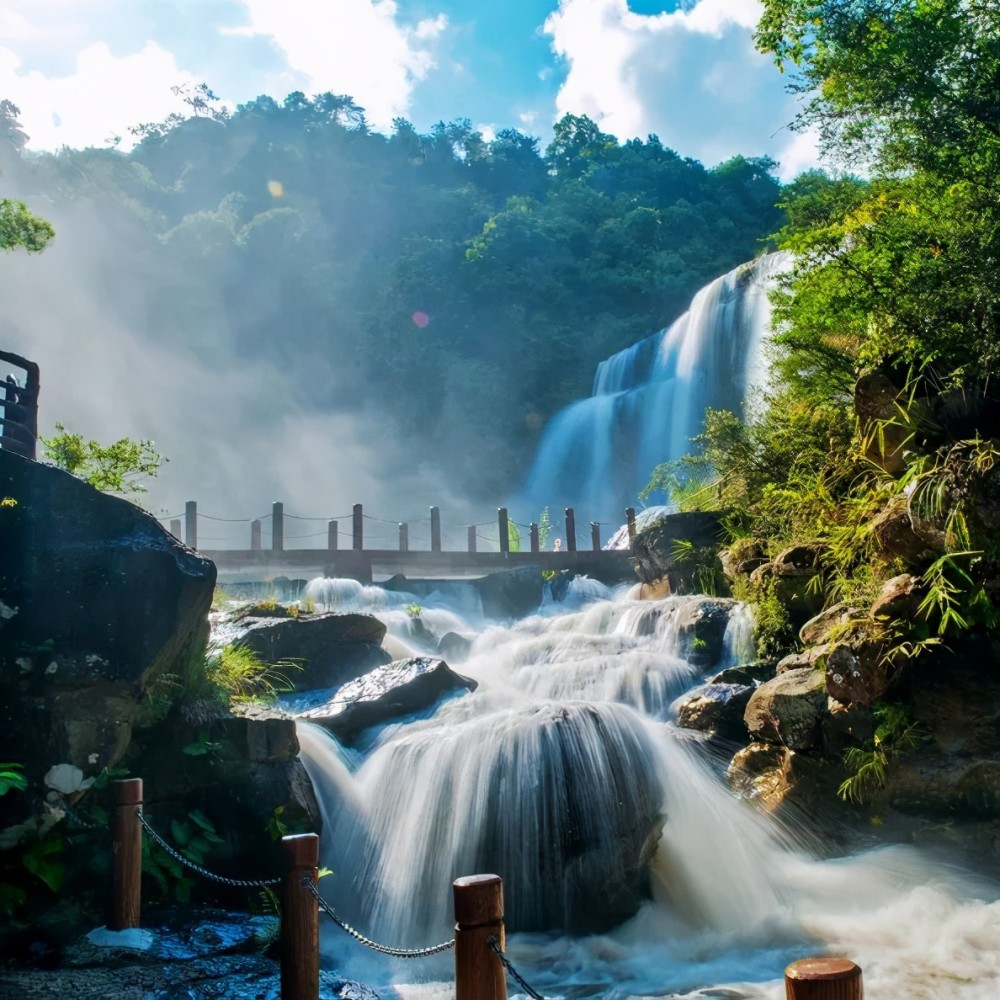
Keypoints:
pixel 420 319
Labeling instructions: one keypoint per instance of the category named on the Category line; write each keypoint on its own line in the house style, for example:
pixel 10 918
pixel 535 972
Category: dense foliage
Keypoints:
pixel 462 288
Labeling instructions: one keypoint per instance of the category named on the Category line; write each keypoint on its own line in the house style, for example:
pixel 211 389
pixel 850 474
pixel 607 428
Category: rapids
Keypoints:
pixel 629 868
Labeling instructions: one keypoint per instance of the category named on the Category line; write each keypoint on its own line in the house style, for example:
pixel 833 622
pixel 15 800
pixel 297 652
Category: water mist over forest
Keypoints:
pixel 296 308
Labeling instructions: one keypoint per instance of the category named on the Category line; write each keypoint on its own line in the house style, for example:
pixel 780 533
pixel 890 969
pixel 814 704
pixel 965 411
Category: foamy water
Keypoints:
pixel 570 728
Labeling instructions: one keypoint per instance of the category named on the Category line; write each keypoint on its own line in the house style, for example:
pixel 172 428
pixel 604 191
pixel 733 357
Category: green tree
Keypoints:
pixel 120 467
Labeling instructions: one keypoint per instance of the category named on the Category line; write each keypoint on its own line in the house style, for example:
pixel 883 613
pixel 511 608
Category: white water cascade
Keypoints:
pixel 630 870
pixel 649 400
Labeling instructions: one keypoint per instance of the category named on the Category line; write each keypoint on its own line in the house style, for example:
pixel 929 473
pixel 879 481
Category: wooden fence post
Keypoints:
pixel 175 527
pixel 595 535
pixel 255 535
pixel 533 533
pixel 191 524
pixel 478 917
pixel 359 527
pixel 570 529
pixel 300 919
pixel 278 526
pixel 823 978
pixel 332 529
pixel 404 537
pixel 435 529
pixel 126 854
pixel 504 529
pixel 472 538
pixel 630 520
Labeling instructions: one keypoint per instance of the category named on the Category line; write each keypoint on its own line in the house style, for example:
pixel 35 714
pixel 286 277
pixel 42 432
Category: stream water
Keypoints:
pixel 563 773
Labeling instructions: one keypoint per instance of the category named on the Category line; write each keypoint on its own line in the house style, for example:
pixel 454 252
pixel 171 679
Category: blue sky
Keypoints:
pixel 84 70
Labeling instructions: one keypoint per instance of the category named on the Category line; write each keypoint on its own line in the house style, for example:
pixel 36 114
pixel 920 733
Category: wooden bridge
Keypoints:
pixel 357 562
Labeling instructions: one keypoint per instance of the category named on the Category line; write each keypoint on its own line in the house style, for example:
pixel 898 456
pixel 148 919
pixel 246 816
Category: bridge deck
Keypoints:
pixel 370 564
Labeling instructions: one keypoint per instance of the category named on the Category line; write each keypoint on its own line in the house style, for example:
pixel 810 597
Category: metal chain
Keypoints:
pixel 204 872
pixel 74 817
pixel 367 942
pixel 493 942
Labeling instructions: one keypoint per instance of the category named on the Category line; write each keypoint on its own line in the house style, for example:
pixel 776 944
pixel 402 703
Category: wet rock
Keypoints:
pixel 859 673
pixel 332 648
pixel 826 624
pixel 899 598
pixel 701 628
pixel 898 536
pixel 716 709
pixel 111 611
pixel 776 778
pixel 513 594
pixel 746 673
pixel 454 648
pixel 789 709
pixel 790 576
pixel 386 693
pixel 656 554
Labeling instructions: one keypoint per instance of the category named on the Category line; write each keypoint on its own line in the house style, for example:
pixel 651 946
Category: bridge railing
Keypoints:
pixel 19 407
pixel 508 538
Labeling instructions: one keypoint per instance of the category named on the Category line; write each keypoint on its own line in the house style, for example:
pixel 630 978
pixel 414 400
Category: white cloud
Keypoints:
pixel 692 77
pixel 103 95
pixel 354 47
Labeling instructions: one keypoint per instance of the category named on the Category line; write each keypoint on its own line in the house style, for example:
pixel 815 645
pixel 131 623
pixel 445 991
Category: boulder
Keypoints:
pixel 882 425
pixel 745 673
pixel 513 594
pixel 656 553
pixel 822 627
pixel 107 615
pixel 789 709
pixel 716 709
pixel 332 648
pixel 898 536
pixel 859 673
pixel 701 627
pixel 454 647
pixel 389 692
pixel 776 779
pixel 790 577
pixel 900 598
pixel 807 658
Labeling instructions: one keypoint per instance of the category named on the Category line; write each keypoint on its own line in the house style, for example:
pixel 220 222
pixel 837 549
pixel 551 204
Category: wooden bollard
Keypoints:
pixel 358 519
pixel 255 536
pixel 533 536
pixel 472 538
pixel 175 528
pixel 191 524
pixel 503 527
pixel 570 529
pixel 823 978
pixel 630 521
pixel 478 917
pixel 595 535
pixel 404 537
pixel 332 529
pixel 278 526
pixel 300 919
pixel 435 529
pixel 126 853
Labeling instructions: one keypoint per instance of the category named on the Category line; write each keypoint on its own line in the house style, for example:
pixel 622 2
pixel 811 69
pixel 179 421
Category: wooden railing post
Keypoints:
pixel 472 538
pixel 300 919
pixel 255 535
pixel 630 520
pixel 175 527
pixel 359 527
pixel 191 524
pixel 504 529
pixel 570 529
pixel 478 917
pixel 404 537
pixel 823 978
pixel 595 535
pixel 533 532
pixel 278 526
pixel 126 854
pixel 435 529
pixel 332 528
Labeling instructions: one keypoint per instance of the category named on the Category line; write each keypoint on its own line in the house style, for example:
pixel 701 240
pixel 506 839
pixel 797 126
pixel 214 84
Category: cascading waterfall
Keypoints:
pixel 649 400
pixel 563 773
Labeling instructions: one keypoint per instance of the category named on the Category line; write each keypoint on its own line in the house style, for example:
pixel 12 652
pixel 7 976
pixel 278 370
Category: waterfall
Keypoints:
pixel 649 400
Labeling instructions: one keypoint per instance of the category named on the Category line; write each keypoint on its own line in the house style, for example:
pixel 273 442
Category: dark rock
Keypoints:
pixel 513 594
pixel 386 693
pixel 454 648
pixel 790 577
pixel 882 426
pixel 655 550
pixel 333 648
pixel 898 536
pixel 107 613
pixel 701 627
pixel 822 627
pixel 859 673
pixel 746 673
pixel 899 598
pixel 807 658
pixel 789 709
pixel 716 709
pixel 777 779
